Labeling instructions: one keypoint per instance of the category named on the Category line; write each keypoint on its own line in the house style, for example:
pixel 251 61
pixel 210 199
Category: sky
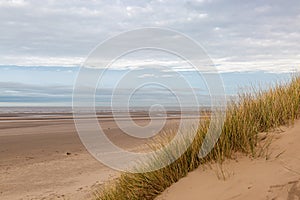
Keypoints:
pixel 237 35
pixel 43 43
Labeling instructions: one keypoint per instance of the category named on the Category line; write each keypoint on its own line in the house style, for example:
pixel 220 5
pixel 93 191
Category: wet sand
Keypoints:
pixel 42 157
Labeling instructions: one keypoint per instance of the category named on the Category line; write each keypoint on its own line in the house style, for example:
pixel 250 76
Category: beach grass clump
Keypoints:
pixel 251 114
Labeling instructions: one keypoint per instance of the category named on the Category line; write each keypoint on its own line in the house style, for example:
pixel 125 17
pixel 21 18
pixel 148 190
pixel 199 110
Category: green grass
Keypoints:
pixel 254 113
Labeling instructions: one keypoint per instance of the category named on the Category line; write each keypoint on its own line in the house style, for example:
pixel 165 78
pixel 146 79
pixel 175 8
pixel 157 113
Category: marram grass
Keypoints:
pixel 253 113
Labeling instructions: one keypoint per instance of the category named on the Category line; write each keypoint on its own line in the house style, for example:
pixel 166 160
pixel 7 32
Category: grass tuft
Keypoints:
pixel 252 114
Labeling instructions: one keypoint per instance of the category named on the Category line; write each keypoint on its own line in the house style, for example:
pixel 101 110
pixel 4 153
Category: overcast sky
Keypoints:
pixel 236 34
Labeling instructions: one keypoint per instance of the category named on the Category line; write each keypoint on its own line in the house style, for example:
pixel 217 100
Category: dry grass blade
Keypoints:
pixel 252 114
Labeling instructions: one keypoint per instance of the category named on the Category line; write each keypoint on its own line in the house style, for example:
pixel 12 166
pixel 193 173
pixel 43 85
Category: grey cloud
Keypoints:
pixel 240 31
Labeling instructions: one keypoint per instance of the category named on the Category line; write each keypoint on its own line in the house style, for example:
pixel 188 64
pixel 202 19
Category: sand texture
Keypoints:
pixel 274 177
pixel 42 157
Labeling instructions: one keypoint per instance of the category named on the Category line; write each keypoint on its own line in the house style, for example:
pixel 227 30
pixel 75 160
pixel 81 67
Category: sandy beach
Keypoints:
pixel 42 157
pixel 149 100
pixel 274 177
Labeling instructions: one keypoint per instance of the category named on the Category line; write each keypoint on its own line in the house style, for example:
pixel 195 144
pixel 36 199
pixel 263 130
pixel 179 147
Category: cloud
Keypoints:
pixel 13 3
pixel 22 60
pixel 146 75
pixel 64 32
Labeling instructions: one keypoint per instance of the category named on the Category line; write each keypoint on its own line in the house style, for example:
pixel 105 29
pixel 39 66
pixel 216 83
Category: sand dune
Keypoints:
pixel 274 178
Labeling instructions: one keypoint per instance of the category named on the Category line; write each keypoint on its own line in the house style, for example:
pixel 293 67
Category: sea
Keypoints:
pixel 40 88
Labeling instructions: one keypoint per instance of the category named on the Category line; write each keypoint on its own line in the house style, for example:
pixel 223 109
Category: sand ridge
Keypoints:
pixel 274 178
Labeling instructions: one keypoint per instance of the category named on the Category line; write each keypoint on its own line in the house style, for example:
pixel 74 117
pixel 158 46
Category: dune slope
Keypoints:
pixel 277 177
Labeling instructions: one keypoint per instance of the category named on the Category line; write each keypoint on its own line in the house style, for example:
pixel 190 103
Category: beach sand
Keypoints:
pixel 42 157
pixel 274 177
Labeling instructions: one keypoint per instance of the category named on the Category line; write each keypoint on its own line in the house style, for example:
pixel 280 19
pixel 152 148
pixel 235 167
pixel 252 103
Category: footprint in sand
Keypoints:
pixel 288 191
pixel 294 192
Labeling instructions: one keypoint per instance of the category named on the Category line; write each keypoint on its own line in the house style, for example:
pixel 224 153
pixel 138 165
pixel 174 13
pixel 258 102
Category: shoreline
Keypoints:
pixel 43 157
